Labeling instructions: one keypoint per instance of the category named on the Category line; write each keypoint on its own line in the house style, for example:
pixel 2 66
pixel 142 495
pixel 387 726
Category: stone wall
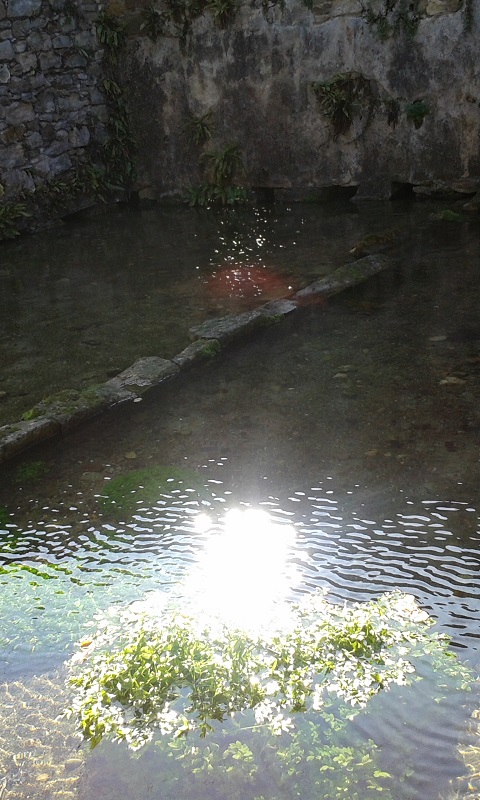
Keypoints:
pixel 405 75
pixel 52 109
pixel 413 88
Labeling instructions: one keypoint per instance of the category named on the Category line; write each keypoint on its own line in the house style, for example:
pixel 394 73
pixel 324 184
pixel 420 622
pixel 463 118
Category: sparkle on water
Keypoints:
pixel 352 427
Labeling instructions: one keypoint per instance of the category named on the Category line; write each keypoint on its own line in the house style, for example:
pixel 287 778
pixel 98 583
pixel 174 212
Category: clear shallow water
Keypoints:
pixel 81 303
pixel 341 422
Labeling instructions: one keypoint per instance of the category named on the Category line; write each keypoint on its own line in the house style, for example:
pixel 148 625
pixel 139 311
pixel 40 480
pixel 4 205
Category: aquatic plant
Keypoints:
pixel 31 471
pixel 147 671
pixel 125 493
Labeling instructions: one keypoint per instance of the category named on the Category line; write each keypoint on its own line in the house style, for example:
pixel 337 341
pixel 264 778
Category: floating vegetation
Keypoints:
pixel 159 670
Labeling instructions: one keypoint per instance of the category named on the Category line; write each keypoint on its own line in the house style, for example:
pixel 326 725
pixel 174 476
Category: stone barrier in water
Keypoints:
pixel 60 413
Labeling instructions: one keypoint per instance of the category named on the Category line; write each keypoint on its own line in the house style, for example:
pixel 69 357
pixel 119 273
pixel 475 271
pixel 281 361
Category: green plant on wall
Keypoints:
pixel 118 151
pixel 393 17
pixel 343 97
pixel 10 216
pixel 220 187
pixel 153 22
pixel 199 128
pixel 111 34
pixel 222 11
pixel 416 112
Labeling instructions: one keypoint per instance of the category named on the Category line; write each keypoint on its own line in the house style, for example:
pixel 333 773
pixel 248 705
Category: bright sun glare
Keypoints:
pixel 243 576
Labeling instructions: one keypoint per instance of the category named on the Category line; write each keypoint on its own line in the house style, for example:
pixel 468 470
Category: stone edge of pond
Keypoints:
pixel 58 414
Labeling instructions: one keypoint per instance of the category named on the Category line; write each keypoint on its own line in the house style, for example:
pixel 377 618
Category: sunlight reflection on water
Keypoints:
pixel 245 575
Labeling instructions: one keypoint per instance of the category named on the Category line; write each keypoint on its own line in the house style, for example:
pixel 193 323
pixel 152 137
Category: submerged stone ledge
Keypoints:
pixel 348 275
pixel 226 329
pixel 58 414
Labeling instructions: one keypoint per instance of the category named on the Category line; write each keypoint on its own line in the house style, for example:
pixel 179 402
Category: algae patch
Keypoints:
pixel 127 493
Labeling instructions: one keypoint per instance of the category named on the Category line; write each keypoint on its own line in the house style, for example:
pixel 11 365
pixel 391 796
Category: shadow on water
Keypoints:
pixel 356 422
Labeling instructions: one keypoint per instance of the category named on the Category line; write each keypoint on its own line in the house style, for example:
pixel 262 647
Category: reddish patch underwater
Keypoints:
pixel 245 284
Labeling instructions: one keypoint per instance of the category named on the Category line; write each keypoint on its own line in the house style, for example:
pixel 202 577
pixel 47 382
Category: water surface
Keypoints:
pixel 356 422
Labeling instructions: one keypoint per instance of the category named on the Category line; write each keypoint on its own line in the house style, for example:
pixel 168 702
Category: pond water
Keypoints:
pixel 354 422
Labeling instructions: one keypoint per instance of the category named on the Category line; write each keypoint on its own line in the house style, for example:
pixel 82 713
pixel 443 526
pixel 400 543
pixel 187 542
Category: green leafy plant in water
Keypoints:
pixel 311 762
pixel 341 98
pixel 10 215
pixel 416 112
pixel 179 673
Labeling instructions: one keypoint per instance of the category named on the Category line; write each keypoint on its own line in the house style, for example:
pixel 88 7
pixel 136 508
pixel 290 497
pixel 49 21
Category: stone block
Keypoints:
pixel 61 41
pixel 39 41
pixel 226 329
pixel 196 352
pixel 4 74
pixel 79 137
pixel 27 61
pixel 342 278
pixel 60 164
pixel 435 7
pixel 47 103
pixel 13 156
pixel 49 61
pixel 13 134
pixel 15 439
pixel 17 113
pixel 6 51
pixel 23 8
pixel 143 375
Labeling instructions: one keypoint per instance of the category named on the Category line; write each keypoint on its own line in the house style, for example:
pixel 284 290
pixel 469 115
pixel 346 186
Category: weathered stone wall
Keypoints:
pixel 414 69
pixel 52 108
pixel 257 77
